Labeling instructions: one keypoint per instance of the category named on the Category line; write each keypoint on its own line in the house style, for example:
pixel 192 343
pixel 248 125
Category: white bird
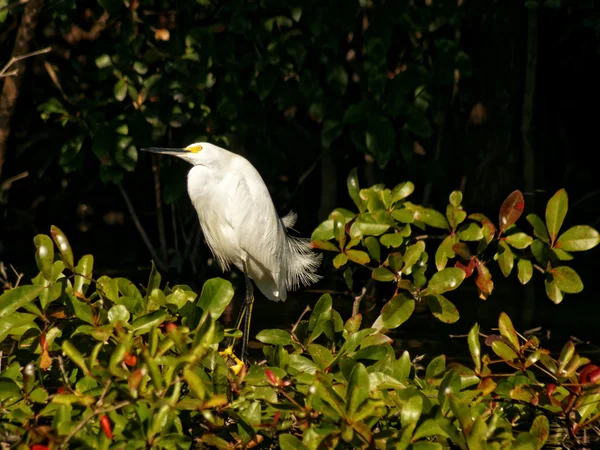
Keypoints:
pixel 241 225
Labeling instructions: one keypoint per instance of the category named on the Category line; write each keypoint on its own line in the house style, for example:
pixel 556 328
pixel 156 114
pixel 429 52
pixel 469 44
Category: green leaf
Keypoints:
pixel 508 330
pixel 340 260
pixel 475 346
pixel 275 337
pixel 456 198
pixel 442 308
pixel 370 224
pixel 412 254
pixel 354 190
pixel 373 247
pixel 382 274
pixel 552 291
pixel 511 210
pixel 392 240
pixel 215 296
pixel 540 430
pixel 120 90
pixel 358 256
pixel 321 311
pixel 13 321
pixel 83 274
pixel 578 238
pixel 358 388
pixel 320 355
pixel 470 232
pixel 144 323
pixel 44 255
pixel 525 270
pixel 519 240
pixel 506 258
pixel 118 313
pixel 397 311
pixel 411 410
pixel 324 232
pixel 339 225
pixel 290 442
pixel 63 246
pixel 503 350
pixel 18 297
pixel 356 112
pixel 403 190
pixel 450 385
pixel 444 252
pixel 432 218
pixel 556 210
pixel 539 227
pixel 445 280
pixel 567 280
pixel 403 215
pixel 436 367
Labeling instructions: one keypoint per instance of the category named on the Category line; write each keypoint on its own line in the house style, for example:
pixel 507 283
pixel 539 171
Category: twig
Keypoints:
pixel 159 262
pixel 63 372
pixel 9 181
pixel 15 59
pixel 293 332
pixel 357 299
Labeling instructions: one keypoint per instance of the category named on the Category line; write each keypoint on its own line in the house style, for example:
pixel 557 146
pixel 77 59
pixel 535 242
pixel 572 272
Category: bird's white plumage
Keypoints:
pixel 240 222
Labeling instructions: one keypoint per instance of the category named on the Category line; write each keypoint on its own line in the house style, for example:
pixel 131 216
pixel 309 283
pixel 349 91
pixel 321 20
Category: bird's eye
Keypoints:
pixel 194 148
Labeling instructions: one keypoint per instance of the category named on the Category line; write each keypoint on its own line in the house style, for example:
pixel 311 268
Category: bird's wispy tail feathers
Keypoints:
pixel 302 264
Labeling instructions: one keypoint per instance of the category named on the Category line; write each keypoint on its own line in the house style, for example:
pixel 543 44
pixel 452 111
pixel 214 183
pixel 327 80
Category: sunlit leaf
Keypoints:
pixel 556 210
pixel 511 210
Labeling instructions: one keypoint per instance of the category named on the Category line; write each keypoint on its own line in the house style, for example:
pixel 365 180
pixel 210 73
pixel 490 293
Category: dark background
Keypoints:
pixel 487 97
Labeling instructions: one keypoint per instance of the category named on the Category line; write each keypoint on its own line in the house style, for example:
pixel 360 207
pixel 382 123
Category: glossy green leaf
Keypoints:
pixel 519 240
pixel 507 330
pixel 44 254
pixel 324 232
pixel 394 240
pixel 567 280
pixel 412 254
pixel 445 252
pixel 403 190
pixel 275 337
pixel 83 274
pixel 290 442
pixel 13 299
pixel 397 311
pixel 503 350
pixel 369 224
pixel 461 411
pixel 118 313
pixel 511 210
pixel 552 291
pixel 403 215
pixel 539 227
pixel 445 280
pixel 432 218
pixel 435 368
pixel 449 386
pixel 120 90
pixel 506 258
pixel 442 308
pixel 339 226
pixel 525 270
pixel 144 323
pixel 358 256
pixel 456 198
pixel 358 388
pixel 383 274
pixel 540 430
pixel 63 245
pixel 578 238
pixel 556 210
pixel 475 346
pixel 470 232
pixel 373 247
pixel 340 260
pixel 411 410
pixel 215 296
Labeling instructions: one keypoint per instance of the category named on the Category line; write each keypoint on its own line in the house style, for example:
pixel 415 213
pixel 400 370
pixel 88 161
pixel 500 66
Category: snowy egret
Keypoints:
pixel 242 227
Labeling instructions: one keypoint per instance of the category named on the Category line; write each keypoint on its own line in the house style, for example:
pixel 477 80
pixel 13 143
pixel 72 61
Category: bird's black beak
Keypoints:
pixel 165 151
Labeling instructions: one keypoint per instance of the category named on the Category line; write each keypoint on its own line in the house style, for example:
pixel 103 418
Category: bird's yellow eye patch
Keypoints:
pixel 194 148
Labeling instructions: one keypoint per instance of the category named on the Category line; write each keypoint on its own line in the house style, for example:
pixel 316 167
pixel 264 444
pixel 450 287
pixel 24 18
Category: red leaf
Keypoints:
pixel 468 269
pixel 271 376
pixel 38 447
pixel 484 280
pixel 105 424
pixel 584 375
pixel 43 342
pixel 511 210
pixel 130 360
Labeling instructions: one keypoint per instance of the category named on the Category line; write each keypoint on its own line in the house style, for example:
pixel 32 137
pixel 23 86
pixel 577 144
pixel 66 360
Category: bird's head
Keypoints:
pixel 196 154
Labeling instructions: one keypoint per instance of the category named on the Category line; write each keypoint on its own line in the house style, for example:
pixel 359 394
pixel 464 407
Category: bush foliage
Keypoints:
pixel 97 362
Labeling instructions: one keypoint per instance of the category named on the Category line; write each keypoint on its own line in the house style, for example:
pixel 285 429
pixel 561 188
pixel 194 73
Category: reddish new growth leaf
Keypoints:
pixel 584 375
pixel 130 360
pixel 271 376
pixel 484 280
pixel 39 447
pixel 105 424
pixel 468 269
pixel 511 210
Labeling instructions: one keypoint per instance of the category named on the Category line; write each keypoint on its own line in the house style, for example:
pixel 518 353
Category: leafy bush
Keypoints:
pixel 104 363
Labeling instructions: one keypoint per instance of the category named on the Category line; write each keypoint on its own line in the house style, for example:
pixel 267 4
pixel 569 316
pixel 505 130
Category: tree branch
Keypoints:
pixel 12 84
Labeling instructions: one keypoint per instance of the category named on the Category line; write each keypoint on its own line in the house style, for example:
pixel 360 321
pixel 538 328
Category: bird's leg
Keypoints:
pixel 248 302
pixel 243 320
